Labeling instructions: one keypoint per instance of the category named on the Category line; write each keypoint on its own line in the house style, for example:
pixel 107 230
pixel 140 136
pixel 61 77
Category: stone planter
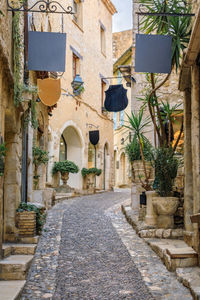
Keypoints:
pixel 165 208
pixel 26 223
pixel 151 217
pixel 65 177
pixel 138 167
pixel 90 182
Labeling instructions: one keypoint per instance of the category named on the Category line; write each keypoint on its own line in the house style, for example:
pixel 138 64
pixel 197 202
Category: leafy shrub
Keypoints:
pixel 95 171
pixel 40 156
pixel 133 150
pixel 40 215
pixel 65 166
pixel 166 167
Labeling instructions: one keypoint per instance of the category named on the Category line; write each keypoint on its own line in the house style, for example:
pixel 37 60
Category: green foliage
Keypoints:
pixel 133 150
pixel 2 155
pixel 17 61
pixel 177 27
pixel 166 167
pixel 95 171
pixel 40 156
pixel 65 166
pixel 34 121
pixel 40 215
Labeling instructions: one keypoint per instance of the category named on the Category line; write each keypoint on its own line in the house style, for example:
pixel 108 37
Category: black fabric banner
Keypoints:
pixel 94 137
pixel 116 98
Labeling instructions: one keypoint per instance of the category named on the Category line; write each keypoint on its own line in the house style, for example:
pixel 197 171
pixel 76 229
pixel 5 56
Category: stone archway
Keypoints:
pixel 73 148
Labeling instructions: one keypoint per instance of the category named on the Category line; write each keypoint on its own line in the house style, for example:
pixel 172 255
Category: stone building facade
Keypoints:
pixel 16 130
pixel 88 54
pixel 189 84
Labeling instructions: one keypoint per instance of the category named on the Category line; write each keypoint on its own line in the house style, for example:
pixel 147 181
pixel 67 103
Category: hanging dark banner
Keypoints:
pixel 116 98
pixel 94 137
pixel 46 51
pixel 153 53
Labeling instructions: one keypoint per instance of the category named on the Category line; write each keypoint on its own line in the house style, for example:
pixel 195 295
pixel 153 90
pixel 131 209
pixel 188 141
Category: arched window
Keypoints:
pixel 63 149
pixel 91 156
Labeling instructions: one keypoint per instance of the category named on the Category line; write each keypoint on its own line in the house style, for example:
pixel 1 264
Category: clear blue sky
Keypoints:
pixel 123 19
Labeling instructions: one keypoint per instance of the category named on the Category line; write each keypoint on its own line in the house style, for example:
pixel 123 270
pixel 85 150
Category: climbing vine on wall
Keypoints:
pixel 17 61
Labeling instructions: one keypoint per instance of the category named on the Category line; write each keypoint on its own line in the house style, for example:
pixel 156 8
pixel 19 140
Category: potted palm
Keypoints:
pixel 165 205
pixel 89 177
pixel 138 150
pixel 64 168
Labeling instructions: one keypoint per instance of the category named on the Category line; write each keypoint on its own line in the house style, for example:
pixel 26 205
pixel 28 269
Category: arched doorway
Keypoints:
pixel 71 149
pixel 106 167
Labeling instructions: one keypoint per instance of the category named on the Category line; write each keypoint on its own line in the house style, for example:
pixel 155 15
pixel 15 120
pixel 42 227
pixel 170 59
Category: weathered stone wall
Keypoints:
pixel 80 112
pixel 121 42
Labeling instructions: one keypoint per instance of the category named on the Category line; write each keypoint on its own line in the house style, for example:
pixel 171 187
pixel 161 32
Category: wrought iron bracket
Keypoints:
pixel 141 12
pixel 41 6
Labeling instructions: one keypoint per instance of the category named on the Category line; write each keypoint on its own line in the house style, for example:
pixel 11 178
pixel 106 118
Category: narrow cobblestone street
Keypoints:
pixel 88 251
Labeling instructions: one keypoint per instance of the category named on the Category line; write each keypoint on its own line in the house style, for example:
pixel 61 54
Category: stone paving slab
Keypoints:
pixel 162 283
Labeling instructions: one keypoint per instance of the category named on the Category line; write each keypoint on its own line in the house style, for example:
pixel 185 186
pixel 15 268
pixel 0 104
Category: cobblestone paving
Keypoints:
pixel 88 251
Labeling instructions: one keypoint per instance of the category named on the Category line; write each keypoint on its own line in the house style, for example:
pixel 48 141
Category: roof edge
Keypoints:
pixel 110 6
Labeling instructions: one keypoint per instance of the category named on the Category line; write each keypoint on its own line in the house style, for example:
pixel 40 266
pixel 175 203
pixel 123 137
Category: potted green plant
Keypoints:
pixel 30 219
pixel 139 149
pixel 165 205
pixel 89 175
pixel 40 157
pixel 64 168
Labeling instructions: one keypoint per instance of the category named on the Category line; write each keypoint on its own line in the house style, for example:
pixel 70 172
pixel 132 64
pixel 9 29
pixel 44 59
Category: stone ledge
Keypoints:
pixel 11 290
pixel 146 231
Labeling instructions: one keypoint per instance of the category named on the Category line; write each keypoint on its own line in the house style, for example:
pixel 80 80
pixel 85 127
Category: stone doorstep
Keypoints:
pixel 18 249
pixel 28 239
pixel 174 253
pixel 185 252
pixel 190 277
pixel 15 267
pixel 11 290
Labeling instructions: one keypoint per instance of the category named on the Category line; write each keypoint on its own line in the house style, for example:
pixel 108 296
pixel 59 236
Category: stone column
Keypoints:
pixel 151 217
pixel 195 150
pixel 188 186
pixel 134 198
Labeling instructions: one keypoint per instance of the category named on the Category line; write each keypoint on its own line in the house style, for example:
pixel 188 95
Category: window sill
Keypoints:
pixel 75 23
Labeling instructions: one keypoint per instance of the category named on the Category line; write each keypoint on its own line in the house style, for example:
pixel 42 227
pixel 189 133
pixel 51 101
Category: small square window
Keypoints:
pixel 76 65
pixel 77 9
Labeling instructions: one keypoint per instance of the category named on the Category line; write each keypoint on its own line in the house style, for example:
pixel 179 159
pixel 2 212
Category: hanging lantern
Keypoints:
pixel 94 137
pixel 77 85
pixel 116 98
pixel 153 53
pixel 49 90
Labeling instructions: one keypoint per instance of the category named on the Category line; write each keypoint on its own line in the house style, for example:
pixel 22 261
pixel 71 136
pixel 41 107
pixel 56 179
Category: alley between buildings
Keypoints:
pixel 88 251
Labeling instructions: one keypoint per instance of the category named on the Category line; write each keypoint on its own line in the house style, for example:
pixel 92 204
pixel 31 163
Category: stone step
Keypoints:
pixel 6 250
pixel 190 277
pixel 11 290
pixel 28 240
pixel 174 253
pixel 15 267
pixel 18 249
pixel 185 252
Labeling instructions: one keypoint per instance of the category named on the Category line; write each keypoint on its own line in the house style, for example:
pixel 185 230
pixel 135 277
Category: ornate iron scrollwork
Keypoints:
pixel 42 6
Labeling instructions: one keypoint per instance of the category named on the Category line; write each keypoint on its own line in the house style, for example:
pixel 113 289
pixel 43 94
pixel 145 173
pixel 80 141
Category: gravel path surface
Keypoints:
pixel 93 261
pixel 88 251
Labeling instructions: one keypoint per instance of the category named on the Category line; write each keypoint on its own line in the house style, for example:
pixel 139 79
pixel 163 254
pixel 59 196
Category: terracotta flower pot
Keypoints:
pixel 165 208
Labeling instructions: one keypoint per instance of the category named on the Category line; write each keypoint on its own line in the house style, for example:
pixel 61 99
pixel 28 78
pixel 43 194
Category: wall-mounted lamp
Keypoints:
pixel 77 85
